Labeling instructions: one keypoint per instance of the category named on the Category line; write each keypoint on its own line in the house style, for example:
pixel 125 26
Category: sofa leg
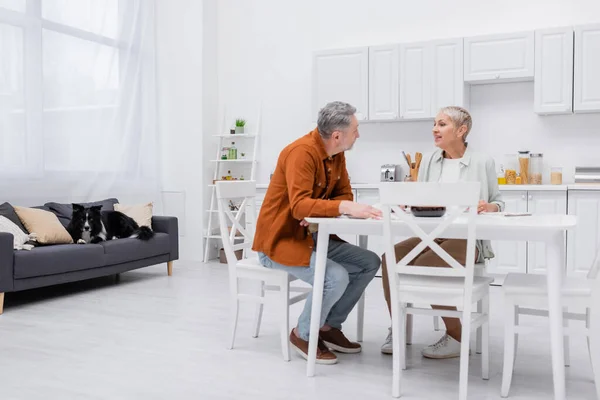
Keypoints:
pixel 1 303
pixel 170 268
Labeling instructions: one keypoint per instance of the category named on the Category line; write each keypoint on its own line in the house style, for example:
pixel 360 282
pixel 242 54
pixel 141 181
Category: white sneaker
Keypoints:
pixel 387 348
pixel 446 347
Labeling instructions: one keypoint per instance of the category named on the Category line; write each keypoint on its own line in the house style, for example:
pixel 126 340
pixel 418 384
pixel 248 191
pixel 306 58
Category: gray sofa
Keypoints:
pixel 55 264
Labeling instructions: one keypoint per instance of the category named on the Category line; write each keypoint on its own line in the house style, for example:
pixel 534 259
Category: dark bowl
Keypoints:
pixel 428 211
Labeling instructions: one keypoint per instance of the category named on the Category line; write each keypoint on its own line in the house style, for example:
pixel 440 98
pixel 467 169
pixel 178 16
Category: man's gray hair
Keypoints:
pixel 335 116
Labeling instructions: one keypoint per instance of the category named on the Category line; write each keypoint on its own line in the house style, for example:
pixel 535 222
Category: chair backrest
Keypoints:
pixel 593 272
pixel 460 199
pixel 237 226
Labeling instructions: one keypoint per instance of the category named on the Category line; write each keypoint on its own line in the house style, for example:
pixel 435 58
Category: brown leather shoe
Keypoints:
pixel 324 356
pixel 335 340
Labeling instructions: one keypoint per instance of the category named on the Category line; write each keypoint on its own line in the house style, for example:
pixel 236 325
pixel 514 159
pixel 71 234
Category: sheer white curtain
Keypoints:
pixel 77 101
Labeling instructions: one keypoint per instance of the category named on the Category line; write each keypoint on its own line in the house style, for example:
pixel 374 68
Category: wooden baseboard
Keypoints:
pixel 170 268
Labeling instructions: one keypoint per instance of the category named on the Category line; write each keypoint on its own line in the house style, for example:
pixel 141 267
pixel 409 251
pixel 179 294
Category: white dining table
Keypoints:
pixel 550 229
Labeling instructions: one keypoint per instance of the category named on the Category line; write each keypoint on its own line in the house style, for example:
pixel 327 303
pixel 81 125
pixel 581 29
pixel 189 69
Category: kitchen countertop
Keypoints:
pixel 559 188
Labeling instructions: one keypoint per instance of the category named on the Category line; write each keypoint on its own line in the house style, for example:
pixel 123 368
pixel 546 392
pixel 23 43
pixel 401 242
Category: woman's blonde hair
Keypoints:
pixel 459 117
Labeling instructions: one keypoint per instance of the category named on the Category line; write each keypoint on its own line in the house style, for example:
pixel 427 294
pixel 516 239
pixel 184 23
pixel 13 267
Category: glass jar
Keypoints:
pixel 510 169
pixel 536 167
pixel 224 153
pixel 524 166
pixel 556 175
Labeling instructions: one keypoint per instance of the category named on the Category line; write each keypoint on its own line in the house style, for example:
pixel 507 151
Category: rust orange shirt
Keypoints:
pixel 306 183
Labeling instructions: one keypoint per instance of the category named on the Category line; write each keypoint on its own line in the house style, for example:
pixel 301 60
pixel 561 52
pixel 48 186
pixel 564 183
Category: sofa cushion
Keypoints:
pixel 44 224
pixel 140 213
pixel 124 250
pixel 64 211
pixel 8 211
pixel 57 259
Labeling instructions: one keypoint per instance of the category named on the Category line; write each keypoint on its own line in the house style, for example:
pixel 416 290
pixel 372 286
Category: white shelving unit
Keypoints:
pixel 212 235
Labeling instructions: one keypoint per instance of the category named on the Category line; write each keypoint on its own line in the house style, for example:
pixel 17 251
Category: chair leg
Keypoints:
pixel 284 303
pixel 1 303
pixel 509 347
pixel 398 348
pixel 566 340
pixel 464 352
pixel 436 323
pixel 479 329
pixel 587 326
pixel 170 268
pixel 409 326
pixel 259 310
pixel 360 318
pixel 516 319
pixel 594 346
pixel 234 318
pixel 485 339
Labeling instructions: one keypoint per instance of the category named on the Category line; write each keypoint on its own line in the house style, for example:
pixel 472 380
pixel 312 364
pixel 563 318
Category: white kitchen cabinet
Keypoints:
pixel 582 243
pixel 383 83
pixel 587 65
pixel 415 80
pixel 495 58
pixel 341 75
pixel 447 83
pixel 553 86
pixel 539 203
pixel 510 256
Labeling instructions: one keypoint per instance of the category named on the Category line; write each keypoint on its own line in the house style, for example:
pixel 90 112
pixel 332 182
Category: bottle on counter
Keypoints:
pixel 536 166
pixel 510 169
pixel 524 166
pixel 502 175
pixel 556 176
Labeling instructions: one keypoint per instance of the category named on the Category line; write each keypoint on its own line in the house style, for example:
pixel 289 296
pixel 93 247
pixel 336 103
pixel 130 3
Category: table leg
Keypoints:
pixel 317 298
pixel 556 267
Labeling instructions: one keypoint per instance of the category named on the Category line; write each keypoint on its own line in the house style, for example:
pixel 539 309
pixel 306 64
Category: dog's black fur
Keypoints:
pixel 91 225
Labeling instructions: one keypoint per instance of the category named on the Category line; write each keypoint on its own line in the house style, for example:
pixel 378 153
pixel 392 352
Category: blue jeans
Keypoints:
pixel 349 269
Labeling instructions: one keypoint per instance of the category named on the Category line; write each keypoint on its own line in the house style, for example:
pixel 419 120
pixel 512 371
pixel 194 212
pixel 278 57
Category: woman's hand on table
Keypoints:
pixel 484 206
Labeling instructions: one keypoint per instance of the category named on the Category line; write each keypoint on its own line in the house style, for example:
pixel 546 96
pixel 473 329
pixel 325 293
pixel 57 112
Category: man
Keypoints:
pixel 311 180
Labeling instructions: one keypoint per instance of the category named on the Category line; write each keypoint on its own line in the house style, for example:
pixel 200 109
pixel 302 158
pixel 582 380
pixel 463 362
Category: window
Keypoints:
pixel 71 85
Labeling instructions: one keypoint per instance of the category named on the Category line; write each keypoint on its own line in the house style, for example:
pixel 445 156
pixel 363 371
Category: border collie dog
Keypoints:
pixel 90 225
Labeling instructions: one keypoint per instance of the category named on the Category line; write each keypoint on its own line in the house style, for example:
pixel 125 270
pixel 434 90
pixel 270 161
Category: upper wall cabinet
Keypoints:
pixel 448 85
pixel 415 80
pixel 553 92
pixel 431 77
pixel 507 57
pixel 383 82
pixel 587 67
pixel 341 75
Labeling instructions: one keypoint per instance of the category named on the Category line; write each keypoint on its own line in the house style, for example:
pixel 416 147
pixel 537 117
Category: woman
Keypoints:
pixel 454 161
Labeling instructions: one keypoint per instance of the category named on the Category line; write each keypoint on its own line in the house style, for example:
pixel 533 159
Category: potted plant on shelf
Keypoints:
pixel 240 123
pixel 242 156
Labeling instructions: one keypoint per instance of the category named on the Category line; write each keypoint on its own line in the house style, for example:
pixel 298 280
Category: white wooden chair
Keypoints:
pixel 526 294
pixel 456 286
pixel 249 267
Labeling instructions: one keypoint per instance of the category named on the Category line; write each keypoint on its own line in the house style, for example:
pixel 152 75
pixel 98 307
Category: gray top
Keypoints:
pixel 474 167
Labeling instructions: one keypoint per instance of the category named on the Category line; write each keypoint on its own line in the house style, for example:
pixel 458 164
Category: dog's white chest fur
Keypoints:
pixel 86 236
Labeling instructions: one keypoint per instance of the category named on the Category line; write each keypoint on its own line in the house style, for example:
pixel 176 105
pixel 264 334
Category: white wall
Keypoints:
pixel 265 52
pixel 179 38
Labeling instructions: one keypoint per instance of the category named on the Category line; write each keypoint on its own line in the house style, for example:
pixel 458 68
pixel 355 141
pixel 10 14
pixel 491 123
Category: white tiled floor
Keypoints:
pixel 151 336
